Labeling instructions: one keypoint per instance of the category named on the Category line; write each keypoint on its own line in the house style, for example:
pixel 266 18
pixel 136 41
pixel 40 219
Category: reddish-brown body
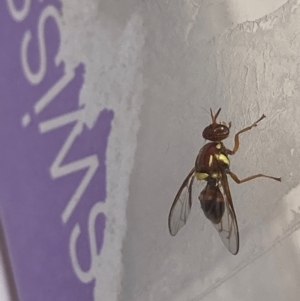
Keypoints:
pixel 212 165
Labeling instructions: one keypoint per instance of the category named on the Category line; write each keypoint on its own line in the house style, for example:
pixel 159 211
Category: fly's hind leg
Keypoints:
pixel 236 137
pixel 238 181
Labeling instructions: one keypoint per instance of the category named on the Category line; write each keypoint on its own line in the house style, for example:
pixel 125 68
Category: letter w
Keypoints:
pixel 58 169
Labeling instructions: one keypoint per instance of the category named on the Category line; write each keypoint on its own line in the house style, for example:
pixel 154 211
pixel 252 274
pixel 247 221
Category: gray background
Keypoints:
pixel 247 70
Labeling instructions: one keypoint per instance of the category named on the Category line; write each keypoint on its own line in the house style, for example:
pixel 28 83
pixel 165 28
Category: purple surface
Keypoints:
pixel 34 190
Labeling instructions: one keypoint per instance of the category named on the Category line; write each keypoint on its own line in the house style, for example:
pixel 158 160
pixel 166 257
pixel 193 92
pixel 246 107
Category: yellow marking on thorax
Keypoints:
pixel 201 175
pixel 210 161
pixel 218 146
pixel 216 175
pixel 223 158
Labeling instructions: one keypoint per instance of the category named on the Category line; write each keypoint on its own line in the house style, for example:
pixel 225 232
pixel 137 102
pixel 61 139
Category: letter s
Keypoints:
pixel 21 14
pixel 89 275
pixel 36 78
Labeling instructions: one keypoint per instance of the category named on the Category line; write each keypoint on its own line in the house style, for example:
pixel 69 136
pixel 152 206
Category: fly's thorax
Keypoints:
pixel 211 160
pixel 221 157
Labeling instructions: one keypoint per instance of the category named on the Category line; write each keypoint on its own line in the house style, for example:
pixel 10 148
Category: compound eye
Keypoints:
pixel 221 130
pixel 215 132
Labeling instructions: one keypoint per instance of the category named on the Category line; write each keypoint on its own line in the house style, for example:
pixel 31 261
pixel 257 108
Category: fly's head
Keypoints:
pixel 216 131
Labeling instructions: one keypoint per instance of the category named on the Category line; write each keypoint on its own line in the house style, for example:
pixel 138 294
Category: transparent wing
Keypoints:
pixel 181 206
pixel 228 228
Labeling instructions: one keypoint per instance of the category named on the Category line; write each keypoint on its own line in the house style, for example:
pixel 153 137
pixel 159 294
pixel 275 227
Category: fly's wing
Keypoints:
pixel 181 206
pixel 228 228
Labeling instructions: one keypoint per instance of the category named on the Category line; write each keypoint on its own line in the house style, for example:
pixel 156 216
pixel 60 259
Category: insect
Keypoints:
pixel 212 166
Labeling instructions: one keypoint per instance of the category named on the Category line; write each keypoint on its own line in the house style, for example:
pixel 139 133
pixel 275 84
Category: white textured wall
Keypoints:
pixel 249 68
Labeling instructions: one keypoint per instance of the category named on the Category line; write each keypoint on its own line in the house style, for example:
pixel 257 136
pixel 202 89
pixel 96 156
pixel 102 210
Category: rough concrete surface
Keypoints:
pixel 248 69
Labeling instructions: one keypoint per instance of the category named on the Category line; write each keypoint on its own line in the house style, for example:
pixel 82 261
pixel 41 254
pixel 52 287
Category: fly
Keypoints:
pixel 212 165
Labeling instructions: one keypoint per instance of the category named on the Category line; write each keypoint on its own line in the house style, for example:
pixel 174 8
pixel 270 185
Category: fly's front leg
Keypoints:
pixel 236 137
pixel 238 181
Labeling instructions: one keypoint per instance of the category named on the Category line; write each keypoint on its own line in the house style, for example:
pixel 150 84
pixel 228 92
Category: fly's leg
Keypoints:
pixel 238 181
pixel 236 137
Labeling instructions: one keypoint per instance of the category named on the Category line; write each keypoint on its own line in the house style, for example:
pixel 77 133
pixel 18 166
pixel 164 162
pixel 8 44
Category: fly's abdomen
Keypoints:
pixel 212 202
